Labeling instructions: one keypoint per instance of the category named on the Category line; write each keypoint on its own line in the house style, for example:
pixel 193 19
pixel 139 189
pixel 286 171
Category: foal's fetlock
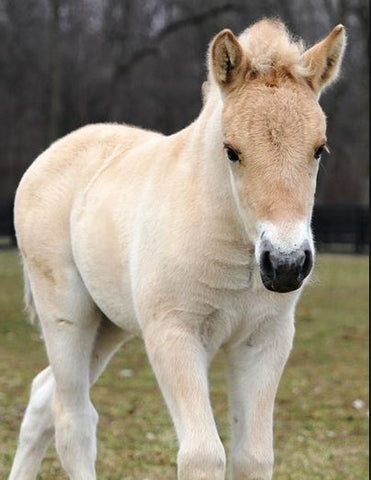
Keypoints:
pixel 201 465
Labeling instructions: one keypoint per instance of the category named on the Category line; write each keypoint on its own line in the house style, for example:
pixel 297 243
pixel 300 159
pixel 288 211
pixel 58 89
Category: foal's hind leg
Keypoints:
pixel 70 321
pixel 37 428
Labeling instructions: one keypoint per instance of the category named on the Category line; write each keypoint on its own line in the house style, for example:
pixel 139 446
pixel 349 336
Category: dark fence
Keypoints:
pixel 6 222
pixel 342 228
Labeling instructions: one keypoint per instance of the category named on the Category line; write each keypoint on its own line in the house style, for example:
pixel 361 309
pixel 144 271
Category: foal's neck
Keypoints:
pixel 207 144
pixel 208 125
pixel 212 166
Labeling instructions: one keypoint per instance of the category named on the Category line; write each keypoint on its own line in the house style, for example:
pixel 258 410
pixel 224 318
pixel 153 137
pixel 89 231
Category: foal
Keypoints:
pixel 195 241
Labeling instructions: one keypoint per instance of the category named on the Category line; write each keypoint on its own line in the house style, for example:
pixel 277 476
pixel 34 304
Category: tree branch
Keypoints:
pixel 123 68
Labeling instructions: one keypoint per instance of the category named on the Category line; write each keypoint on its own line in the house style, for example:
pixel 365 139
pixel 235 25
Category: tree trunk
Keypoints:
pixel 54 72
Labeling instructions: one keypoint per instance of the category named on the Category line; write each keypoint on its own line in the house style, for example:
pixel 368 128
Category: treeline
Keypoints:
pixel 66 63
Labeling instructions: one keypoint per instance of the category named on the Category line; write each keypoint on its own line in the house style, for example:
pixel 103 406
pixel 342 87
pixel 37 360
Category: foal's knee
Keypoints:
pixel 201 465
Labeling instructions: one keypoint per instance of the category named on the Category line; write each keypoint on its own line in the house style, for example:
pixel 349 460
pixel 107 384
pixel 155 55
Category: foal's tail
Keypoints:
pixel 29 303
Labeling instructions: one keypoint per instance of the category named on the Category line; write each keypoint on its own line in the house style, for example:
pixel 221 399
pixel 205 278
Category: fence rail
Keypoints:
pixel 343 226
pixel 6 222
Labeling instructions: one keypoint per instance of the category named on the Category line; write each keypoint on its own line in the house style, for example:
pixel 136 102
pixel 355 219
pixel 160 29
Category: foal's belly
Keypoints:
pixel 108 284
pixel 103 265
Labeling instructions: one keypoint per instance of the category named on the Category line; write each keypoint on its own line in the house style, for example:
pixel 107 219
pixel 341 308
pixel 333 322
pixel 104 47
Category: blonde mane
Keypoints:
pixel 272 50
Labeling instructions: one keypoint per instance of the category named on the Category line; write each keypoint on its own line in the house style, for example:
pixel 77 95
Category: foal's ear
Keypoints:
pixel 205 91
pixel 324 59
pixel 225 59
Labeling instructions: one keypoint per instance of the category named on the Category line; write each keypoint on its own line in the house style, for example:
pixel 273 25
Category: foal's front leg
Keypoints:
pixel 255 368
pixel 180 363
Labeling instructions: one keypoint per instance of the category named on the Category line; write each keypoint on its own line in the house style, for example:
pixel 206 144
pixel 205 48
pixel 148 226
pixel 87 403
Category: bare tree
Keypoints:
pixel 65 63
pixel 55 70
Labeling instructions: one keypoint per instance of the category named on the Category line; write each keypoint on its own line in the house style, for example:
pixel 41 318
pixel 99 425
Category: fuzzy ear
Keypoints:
pixel 225 58
pixel 323 60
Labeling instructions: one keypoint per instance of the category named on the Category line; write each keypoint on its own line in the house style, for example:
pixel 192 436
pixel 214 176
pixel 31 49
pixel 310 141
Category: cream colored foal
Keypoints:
pixel 195 241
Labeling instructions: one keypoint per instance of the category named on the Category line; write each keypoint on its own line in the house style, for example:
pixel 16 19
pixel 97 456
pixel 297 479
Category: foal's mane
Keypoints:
pixel 272 50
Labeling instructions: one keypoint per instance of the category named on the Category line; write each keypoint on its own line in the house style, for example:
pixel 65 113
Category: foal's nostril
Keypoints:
pixel 266 264
pixel 307 264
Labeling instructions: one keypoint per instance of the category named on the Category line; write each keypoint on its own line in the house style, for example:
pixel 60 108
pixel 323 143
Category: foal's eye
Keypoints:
pixel 232 154
pixel 319 151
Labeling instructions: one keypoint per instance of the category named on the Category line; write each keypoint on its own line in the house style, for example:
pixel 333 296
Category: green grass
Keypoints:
pixel 319 434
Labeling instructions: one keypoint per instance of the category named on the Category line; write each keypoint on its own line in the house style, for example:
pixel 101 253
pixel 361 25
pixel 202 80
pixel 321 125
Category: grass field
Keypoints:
pixel 321 420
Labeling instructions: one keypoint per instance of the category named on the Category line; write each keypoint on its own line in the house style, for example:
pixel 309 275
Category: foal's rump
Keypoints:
pixel 49 190
pixel 53 180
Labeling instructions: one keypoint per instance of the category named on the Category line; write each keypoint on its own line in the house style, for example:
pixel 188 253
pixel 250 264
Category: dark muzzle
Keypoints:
pixel 284 272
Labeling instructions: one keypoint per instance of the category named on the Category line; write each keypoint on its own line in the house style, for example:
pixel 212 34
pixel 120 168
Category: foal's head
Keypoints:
pixel 274 134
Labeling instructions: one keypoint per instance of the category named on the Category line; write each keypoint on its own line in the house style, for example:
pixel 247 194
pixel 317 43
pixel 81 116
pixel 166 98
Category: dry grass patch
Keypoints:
pixel 321 413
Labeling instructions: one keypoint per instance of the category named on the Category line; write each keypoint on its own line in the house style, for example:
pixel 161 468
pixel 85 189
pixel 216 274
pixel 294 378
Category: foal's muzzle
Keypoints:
pixel 284 272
